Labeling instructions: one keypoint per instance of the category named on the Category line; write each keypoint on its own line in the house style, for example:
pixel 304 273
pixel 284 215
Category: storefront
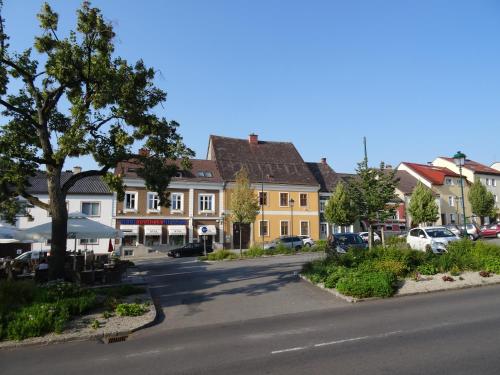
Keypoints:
pixel 152 235
pixel 176 235
pixel 207 233
pixel 130 234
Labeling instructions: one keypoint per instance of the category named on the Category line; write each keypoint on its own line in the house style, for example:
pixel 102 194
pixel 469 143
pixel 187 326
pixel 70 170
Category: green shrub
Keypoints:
pixel 367 284
pixel 254 252
pixel 396 242
pixel 282 249
pixel 57 291
pixel 427 269
pixel 334 276
pixel 221 255
pixel 491 264
pixel 318 270
pixel 319 246
pixel 393 266
pixel 131 309
pixel 15 294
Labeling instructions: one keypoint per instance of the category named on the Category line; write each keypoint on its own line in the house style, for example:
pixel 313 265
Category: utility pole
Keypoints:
pixel 366 152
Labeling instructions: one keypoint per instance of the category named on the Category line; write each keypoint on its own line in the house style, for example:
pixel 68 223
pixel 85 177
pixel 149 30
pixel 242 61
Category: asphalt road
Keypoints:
pixel 454 332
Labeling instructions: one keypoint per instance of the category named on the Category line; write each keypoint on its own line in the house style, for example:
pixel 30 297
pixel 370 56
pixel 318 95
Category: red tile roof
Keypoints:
pixel 434 175
pixel 475 166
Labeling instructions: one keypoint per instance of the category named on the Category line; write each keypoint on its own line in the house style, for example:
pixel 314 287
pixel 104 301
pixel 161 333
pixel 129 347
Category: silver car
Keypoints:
pixel 292 242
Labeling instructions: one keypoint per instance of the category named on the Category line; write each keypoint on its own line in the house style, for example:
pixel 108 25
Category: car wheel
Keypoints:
pixel 177 254
pixel 308 244
pixel 471 237
pixel 498 235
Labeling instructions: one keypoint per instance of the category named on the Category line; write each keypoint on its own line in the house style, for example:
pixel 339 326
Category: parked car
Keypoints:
pixel 342 242
pixel 292 242
pixel 364 236
pixel 189 250
pixel 435 239
pixel 307 241
pixel 27 261
pixel 472 230
pixel 492 230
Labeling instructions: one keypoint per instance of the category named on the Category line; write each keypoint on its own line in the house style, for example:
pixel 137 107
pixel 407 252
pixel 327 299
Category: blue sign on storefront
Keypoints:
pixel 153 222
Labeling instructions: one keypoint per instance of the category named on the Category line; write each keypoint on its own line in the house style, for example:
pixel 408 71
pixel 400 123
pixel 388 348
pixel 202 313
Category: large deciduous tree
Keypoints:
pixel 481 200
pixel 373 192
pixel 423 208
pixel 75 98
pixel 244 202
pixel 340 208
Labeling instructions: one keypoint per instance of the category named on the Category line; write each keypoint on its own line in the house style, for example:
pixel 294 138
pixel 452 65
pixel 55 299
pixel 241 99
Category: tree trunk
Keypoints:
pixel 241 251
pixel 382 235
pixel 59 214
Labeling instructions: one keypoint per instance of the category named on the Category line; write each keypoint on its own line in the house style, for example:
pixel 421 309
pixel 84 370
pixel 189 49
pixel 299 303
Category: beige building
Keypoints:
pixel 446 184
pixel 474 171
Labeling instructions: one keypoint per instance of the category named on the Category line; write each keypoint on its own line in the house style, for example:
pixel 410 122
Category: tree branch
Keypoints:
pixel 18 111
pixel 26 75
pixel 35 201
pixel 79 176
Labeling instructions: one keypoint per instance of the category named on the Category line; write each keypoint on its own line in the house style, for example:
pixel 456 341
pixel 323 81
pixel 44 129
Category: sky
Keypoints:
pixel 419 79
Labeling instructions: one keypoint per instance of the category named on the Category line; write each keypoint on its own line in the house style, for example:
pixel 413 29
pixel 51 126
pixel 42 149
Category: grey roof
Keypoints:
pixel 279 162
pixel 87 185
pixel 407 182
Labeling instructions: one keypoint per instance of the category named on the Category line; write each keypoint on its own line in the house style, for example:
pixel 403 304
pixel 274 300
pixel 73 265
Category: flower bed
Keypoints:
pixel 381 271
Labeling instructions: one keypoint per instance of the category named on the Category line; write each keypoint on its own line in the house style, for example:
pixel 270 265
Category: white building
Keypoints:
pixel 90 196
pixel 474 171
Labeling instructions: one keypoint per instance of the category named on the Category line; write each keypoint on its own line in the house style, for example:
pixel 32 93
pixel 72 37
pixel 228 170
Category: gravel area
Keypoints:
pixel 435 283
pixel 81 328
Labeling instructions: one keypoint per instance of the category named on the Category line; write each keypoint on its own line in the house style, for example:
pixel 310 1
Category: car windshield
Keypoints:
pixel 23 256
pixel 348 239
pixel 439 232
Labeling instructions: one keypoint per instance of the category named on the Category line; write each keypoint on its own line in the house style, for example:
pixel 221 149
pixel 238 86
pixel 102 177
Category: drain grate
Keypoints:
pixel 115 339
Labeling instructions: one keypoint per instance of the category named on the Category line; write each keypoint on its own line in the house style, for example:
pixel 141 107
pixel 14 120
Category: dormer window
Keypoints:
pixel 179 175
pixel 205 174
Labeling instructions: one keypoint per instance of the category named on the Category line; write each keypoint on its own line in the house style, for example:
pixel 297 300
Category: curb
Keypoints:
pixel 74 337
pixel 334 291
pixel 261 257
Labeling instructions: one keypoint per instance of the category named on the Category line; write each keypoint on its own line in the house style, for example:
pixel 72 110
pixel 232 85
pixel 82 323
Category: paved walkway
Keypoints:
pixel 193 293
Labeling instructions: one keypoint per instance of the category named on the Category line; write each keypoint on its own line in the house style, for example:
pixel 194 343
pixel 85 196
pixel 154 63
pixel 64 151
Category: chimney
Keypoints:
pixel 143 152
pixel 323 161
pixel 253 139
pixel 77 169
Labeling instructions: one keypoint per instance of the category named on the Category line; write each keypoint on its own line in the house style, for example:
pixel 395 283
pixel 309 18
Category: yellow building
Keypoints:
pixel 288 190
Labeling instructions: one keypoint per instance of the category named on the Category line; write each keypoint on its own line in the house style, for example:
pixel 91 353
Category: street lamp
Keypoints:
pixel 459 159
pixel 292 202
pixel 221 221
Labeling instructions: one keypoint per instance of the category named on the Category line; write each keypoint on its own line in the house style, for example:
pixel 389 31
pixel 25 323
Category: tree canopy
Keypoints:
pixel 68 96
pixel 481 200
pixel 423 207
pixel 340 208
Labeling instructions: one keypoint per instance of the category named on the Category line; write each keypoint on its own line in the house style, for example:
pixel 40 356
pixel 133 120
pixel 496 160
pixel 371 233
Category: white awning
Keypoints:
pixel 207 230
pixel 152 230
pixel 130 229
pixel 176 230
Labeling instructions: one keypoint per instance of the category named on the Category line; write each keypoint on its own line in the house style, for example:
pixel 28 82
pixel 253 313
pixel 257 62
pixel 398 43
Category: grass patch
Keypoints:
pixel 131 309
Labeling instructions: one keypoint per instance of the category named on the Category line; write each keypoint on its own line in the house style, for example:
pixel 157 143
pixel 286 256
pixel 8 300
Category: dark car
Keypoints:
pixel 189 250
pixel 342 242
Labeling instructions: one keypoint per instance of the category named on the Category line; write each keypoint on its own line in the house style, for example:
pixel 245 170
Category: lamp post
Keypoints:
pixel 262 206
pixel 292 202
pixel 459 159
pixel 221 221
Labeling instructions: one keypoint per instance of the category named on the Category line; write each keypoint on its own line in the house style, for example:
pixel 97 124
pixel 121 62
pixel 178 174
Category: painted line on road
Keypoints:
pixel 289 350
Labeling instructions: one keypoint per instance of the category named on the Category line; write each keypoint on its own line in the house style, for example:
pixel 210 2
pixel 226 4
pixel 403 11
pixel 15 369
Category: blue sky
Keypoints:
pixel 419 79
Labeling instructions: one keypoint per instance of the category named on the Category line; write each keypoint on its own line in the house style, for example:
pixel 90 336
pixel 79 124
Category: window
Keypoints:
pixel 91 208
pixel 130 201
pixel 206 202
pixel 322 205
pixel 487 182
pixel 323 230
pixel 205 174
pixel 283 199
pixel 496 198
pixel 284 228
pixel 303 200
pixel 89 241
pixel 449 181
pixel 451 201
pixel 304 228
pixel 177 202
pixel 453 219
pixel 153 202
pixel 264 225
pixel 263 198
pixel 128 253
pixel 493 182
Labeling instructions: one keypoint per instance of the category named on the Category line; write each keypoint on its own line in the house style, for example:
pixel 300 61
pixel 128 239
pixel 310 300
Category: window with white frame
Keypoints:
pixel 284 228
pixel 262 198
pixel 303 200
pixel 206 202
pixel 153 202
pixel 451 201
pixel 130 201
pixel 323 230
pixel 91 208
pixel 283 199
pixel 487 182
pixel 304 228
pixel 89 241
pixel 177 202
pixel 264 228
pixel 449 181
pixel 493 182
pixel 322 205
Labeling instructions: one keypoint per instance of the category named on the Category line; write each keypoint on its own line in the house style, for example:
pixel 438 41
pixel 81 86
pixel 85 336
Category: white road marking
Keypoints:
pixel 289 350
pixel 141 354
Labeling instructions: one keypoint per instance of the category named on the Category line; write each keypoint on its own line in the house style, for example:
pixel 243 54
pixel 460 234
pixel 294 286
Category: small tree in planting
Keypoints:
pixel 372 191
pixel 482 201
pixel 244 202
pixel 78 101
pixel 340 208
pixel 423 208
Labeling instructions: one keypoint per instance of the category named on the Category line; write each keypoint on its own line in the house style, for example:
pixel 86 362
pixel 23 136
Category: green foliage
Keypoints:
pixel 335 275
pixel 396 267
pixel 427 269
pixel 361 284
pixel 131 309
pixel 482 201
pixel 14 294
pixel 254 251
pixel 221 255
pixel 79 100
pixel 423 207
pixel 319 246
pixel 95 324
pixel 340 208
